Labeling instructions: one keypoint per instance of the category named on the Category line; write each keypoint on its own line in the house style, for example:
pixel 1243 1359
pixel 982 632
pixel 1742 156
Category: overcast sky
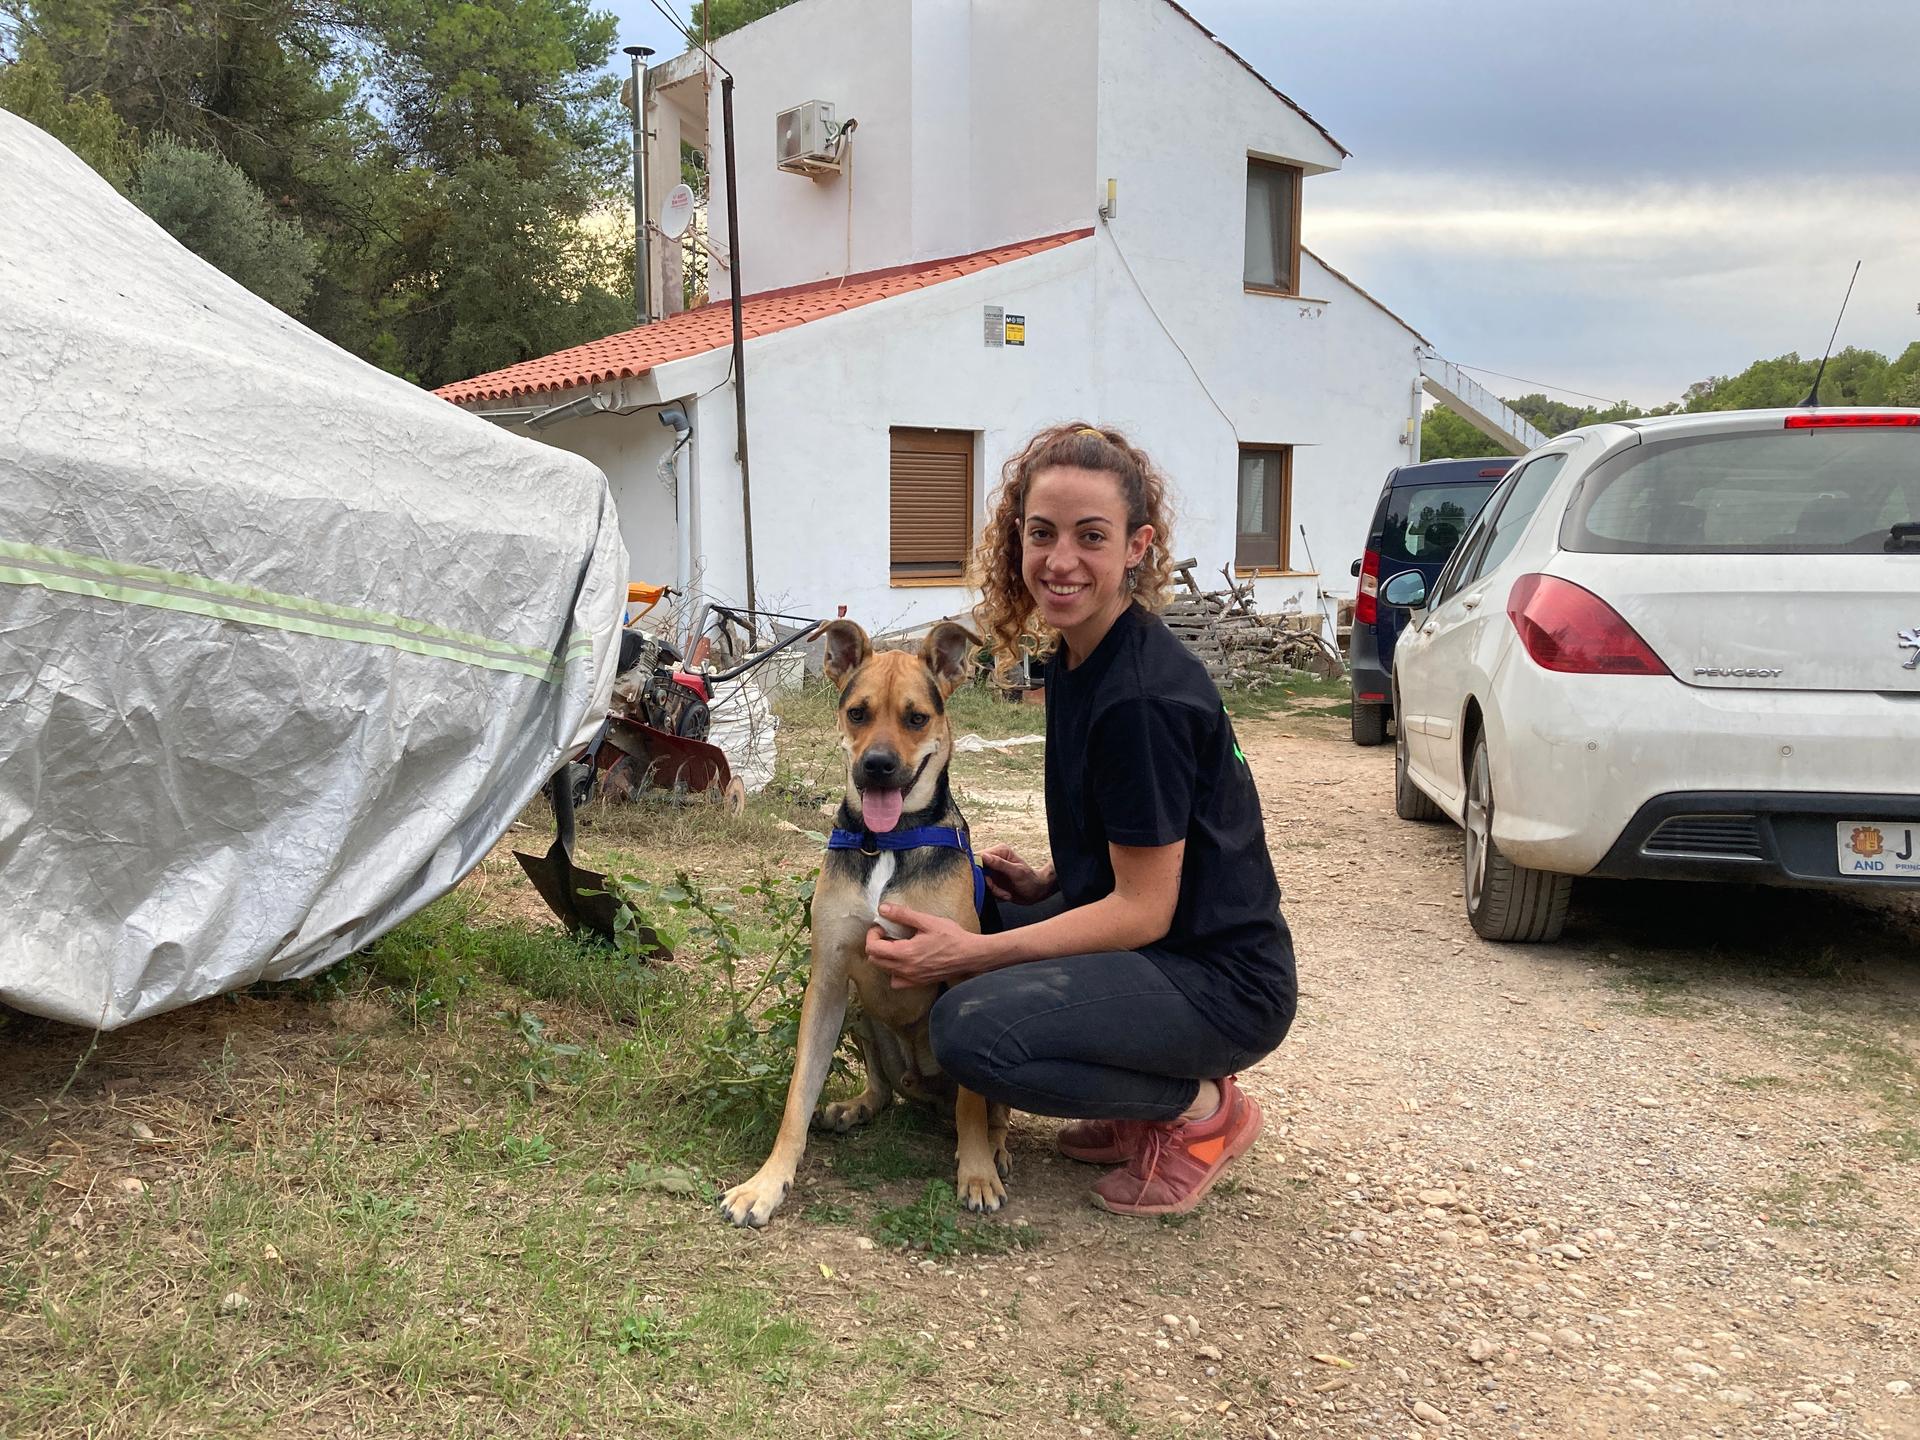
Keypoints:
pixel 1620 197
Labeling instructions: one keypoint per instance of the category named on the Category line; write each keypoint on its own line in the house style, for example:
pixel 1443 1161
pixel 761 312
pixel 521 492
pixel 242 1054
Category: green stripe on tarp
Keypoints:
pixel 71 573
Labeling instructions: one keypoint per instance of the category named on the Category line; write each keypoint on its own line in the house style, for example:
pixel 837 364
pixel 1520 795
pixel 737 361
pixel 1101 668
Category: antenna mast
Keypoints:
pixel 1813 395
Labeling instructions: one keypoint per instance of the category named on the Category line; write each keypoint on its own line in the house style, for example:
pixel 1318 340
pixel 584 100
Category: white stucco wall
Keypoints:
pixel 857 55
pixel 1031 136
pixel 629 449
pixel 976 130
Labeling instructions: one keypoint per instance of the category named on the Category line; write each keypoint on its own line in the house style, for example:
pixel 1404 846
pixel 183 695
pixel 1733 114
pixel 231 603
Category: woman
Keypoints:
pixel 1129 977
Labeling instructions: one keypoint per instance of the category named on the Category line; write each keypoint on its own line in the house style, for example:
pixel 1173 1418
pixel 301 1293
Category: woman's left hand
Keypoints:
pixel 938 949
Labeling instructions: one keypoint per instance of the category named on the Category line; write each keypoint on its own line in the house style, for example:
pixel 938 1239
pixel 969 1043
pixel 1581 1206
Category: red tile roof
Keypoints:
pixel 635 352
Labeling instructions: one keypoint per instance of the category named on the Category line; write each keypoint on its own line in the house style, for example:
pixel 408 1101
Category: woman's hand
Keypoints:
pixel 1011 878
pixel 937 950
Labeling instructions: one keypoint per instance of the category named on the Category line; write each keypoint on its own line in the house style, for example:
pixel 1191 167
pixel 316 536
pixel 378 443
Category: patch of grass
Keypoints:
pixel 931 1225
pixel 1801 1202
pixel 1757 1082
pixel 1658 991
pixel 902 1144
pixel 1302 695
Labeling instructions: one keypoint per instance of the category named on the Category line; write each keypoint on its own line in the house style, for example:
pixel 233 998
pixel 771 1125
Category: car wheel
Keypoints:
pixel 1410 802
pixel 1369 724
pixel 1505 901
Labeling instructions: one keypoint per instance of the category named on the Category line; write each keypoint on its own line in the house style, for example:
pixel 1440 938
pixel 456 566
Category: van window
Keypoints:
pixel 1425 522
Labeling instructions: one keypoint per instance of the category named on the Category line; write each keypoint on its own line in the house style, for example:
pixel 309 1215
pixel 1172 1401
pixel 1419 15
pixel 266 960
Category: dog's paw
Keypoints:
pixel 981 1193
pixel 752 1202
pixel 842 1115
pixel 1003 1159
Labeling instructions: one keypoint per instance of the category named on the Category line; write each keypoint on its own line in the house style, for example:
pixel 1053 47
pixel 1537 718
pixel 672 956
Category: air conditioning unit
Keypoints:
pixel 807 139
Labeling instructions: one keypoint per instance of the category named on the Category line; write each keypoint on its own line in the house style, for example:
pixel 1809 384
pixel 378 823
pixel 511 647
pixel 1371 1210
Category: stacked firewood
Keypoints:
pixel 1241 648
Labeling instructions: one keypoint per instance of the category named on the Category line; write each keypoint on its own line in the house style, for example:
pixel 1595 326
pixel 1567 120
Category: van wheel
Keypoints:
pixel 1369 724
pixel 1410 802
pixel 1505 901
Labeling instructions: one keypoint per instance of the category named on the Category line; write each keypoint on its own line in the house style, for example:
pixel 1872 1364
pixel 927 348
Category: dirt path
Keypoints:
pixel 1659 1180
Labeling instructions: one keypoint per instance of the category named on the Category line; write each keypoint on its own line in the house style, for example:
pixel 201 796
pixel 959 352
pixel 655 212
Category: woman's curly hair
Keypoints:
pixel 1007 614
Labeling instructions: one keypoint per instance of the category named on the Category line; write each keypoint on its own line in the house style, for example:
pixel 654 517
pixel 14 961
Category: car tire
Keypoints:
pixel 1410 802
pixel 1369 724
pixel 1505 901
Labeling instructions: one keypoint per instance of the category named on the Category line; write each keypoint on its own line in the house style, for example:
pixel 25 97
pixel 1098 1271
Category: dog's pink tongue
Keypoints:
pixel 880 809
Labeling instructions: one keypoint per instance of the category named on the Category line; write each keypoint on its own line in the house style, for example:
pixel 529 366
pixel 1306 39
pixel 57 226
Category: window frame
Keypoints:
pixel 1291 243
pixel 1499 526
pixel 1283 505
pixel 947 439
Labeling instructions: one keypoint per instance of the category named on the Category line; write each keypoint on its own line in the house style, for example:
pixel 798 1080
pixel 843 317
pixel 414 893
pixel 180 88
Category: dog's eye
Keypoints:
pixel 916 721
pixel 857 715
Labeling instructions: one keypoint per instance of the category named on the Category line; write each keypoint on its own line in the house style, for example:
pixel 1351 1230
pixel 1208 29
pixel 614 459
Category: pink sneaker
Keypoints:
pixel 1175 1164
pixel 1098 1142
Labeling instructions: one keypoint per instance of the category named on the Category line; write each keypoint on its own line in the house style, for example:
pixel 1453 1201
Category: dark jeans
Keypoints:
pixel 1104 1036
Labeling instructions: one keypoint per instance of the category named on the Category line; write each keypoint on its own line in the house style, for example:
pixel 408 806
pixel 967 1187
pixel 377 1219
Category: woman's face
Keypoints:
pixel 1075 550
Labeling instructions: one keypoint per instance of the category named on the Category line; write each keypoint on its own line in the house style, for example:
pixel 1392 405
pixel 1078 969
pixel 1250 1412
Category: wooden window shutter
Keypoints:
pixel 931 503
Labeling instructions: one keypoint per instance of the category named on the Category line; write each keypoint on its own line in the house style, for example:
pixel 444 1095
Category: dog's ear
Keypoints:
pixel 847 649
pixel 948 652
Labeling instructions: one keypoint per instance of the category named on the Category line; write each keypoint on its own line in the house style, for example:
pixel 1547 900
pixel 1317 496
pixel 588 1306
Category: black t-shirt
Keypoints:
pixel 1140 751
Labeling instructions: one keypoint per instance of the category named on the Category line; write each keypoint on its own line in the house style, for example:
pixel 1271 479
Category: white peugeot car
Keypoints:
pixel 1683 647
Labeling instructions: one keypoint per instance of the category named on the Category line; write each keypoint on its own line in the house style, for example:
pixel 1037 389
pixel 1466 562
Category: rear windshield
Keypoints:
pixel 1425 522
pixel 1787 492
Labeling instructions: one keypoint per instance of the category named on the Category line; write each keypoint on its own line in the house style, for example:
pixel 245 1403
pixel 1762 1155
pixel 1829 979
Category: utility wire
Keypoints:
pixel 685 31
pixel 1482 370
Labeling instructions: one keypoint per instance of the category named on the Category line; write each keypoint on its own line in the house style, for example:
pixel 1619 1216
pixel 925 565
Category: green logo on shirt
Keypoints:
pixel 1238 753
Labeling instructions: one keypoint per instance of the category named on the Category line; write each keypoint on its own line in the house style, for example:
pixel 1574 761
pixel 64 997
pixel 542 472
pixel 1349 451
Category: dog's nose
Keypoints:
pixel 877 767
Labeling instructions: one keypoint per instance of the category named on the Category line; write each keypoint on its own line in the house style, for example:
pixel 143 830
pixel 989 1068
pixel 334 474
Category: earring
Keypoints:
pixel 1133 578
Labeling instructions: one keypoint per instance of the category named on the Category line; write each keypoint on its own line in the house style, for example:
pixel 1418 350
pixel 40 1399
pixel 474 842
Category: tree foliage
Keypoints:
pixel 1853 377
pixel 446 162
pixel 206 204
pixel 714 18
pixel 86 124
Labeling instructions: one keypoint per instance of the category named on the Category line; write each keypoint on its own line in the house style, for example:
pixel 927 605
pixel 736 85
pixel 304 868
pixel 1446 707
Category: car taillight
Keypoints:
pixel 1817 421
pixel 1366 610
pixel 1573 630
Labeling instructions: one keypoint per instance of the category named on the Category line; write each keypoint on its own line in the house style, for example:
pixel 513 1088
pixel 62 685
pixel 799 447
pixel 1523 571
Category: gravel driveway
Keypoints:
pixel 1657 1180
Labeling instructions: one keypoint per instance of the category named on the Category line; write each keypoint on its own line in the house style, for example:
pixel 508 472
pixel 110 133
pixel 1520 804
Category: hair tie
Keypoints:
pixel 1089 430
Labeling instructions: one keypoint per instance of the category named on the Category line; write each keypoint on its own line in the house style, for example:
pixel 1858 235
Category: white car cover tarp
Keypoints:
pixel 285 642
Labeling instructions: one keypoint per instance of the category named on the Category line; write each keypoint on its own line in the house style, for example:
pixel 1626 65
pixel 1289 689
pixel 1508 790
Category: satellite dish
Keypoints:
pixel 676 212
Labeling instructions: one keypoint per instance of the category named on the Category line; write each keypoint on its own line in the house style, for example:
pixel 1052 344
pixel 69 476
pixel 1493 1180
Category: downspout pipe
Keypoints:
pixel 675 417
pixel 739 333
pixel 642 239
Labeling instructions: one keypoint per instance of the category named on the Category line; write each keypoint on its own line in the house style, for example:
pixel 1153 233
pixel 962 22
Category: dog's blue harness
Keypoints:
pixel 921 837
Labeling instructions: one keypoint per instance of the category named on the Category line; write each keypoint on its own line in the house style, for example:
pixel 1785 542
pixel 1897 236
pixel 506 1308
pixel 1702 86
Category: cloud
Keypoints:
pixel 1627 290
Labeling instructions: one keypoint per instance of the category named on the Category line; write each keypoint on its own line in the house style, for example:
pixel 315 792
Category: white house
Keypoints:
pixel 1082 208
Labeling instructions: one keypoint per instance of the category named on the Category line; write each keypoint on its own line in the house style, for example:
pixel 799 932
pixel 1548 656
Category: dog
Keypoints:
pixel 898 741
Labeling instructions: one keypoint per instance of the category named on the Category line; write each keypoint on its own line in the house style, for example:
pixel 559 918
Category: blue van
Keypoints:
pixel 1424 509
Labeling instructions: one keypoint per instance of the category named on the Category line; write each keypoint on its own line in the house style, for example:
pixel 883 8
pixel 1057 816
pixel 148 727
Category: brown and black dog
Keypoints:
pixel 893 725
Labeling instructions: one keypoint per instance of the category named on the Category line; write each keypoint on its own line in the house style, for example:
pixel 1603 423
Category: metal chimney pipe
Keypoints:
pixel 642 243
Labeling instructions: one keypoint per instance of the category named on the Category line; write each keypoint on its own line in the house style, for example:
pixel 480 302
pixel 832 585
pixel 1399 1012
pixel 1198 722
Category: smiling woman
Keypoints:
pixel 1128 977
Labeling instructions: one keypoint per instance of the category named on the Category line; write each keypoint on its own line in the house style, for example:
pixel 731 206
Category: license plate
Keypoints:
pixel 1885 848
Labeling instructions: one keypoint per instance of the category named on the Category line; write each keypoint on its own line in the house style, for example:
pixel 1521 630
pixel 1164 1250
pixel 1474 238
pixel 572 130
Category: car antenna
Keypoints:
pixel 1813 396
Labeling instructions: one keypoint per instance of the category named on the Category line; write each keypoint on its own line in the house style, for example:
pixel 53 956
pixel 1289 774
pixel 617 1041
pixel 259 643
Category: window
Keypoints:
pixel 1781 492
pixel 931 504
pixel 1523 497
pixel 1273 227
pixel 1266 503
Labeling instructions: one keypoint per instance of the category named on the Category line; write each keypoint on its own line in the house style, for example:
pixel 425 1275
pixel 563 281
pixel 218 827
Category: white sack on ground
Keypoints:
pixel 285 642
pixel 744 727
